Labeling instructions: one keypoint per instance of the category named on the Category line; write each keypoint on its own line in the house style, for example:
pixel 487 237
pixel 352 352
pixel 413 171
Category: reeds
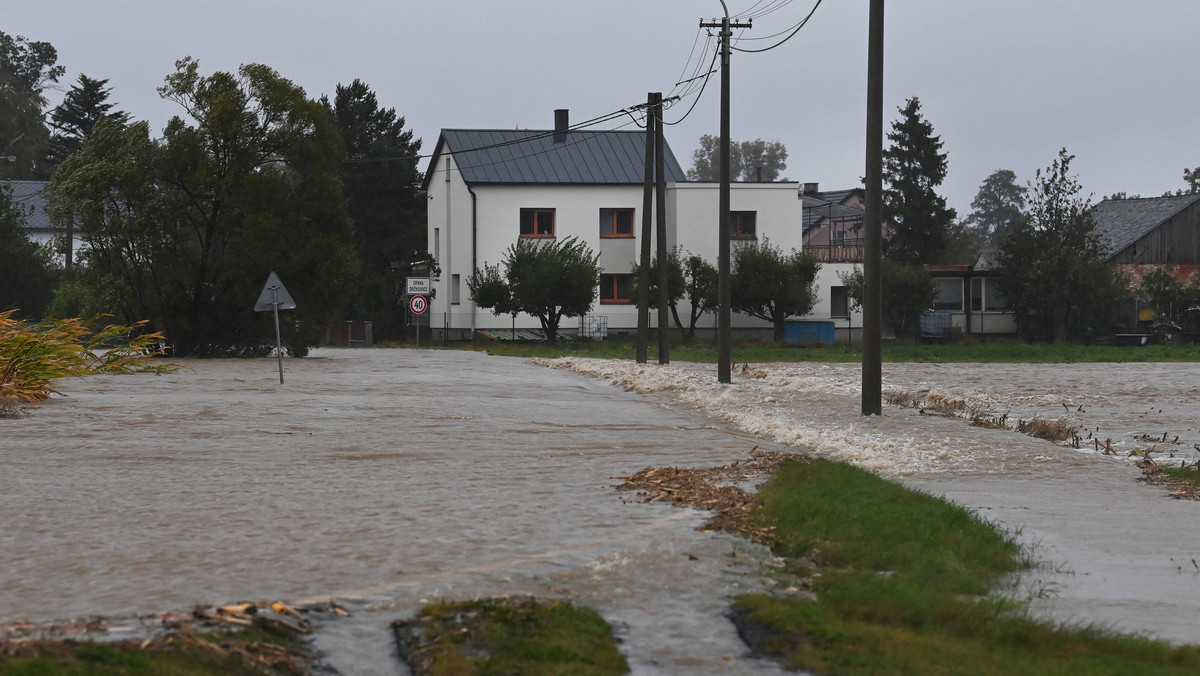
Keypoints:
pixel 34 355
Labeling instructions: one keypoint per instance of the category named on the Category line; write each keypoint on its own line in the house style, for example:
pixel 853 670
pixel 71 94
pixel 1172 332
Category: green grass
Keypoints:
pixel 1189 473
pixel 161 657
pixel 909 584
pixel 706 352
pixel 509 636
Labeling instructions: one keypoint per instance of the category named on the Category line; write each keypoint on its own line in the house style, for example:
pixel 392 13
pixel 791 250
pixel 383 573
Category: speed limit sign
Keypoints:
pixel 418 305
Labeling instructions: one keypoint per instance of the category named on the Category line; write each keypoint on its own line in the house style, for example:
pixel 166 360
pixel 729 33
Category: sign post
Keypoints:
pixel 275 297
pixel 418 305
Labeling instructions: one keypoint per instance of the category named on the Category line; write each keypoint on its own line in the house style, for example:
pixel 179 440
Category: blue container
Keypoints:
pixel 807 332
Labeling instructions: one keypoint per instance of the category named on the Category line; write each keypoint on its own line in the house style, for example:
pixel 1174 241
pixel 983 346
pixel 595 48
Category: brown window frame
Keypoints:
pixel 535 215
pixel 610 289
pixel 609 223
pixel 737 225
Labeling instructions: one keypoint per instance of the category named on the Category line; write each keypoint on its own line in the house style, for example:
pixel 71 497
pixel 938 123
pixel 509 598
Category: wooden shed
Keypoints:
pixel 1151 231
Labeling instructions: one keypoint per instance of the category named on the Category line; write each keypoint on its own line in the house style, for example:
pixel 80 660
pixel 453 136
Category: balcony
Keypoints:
pixel 836 253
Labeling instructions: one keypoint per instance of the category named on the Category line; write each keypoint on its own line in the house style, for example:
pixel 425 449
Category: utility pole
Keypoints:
pixel 660 217
pixel 872 361
pixel 724 352
pixel 643 330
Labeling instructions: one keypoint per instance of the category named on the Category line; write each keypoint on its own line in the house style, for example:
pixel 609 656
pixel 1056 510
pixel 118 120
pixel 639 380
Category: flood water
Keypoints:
pixel 388 478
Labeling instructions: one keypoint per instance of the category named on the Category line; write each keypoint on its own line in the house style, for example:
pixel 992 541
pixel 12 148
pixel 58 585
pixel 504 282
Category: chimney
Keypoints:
pixel 811 188
pixel 562 120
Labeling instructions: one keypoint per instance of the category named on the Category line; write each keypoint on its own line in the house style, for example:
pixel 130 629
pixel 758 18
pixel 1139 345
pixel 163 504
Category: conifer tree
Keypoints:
pixel 913 167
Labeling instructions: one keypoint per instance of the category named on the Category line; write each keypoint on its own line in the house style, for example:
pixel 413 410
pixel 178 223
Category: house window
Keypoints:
pixel 455 289
pixel 616 222
pixel 986 296
pixel 742 224
pixel 616 288
pixel 839 302
pixel 949 294
pixel 993 297
pixel 537 222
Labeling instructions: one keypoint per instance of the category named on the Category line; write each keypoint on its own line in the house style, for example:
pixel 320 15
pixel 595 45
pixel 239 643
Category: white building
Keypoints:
pixel 487 188
pixel 28 199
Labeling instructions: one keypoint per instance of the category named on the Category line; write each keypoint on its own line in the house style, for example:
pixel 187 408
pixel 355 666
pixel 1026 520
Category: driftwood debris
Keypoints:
pixel 712 489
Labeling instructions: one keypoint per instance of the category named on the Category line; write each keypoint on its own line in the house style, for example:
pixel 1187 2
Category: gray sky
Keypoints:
pixel 1005 84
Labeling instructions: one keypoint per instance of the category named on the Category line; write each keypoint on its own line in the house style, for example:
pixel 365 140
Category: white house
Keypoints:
pixel 28 199
pixel 487 188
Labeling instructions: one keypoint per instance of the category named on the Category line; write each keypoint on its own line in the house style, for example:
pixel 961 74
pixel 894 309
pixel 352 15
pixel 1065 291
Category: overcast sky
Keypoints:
pixel 1005 84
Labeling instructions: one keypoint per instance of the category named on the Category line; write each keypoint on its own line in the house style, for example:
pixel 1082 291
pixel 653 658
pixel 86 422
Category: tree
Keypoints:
pixel 381 183
pixel 999 203
pixel 913 167
pixel 28 280
pixel 1055 264
pixel 547 280
pixel 1169 295
pixel 73 119
pixel 26 69
pixel 908 291
pixel 770 285
pixel 692 278
pixel 746 159
pixel 184 230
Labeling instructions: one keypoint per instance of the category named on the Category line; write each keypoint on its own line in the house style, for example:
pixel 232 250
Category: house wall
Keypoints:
pixel 467 231
pixel 846 329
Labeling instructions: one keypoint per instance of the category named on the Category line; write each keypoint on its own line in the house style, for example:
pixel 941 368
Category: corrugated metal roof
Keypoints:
pixel 525 156
pixel 1122 222
pixel 27 197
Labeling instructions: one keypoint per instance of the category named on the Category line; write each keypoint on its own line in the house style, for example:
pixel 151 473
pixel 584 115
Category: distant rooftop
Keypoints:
pixel 526 156
pixel 27 196
pixel 1122 222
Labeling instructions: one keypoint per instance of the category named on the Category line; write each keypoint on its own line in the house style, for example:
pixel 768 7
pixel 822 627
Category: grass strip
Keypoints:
pixel 262 648
pixel 508 636
pixel 907 584
pixel 751 352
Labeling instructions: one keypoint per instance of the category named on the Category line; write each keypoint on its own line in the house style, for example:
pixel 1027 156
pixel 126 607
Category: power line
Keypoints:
pixel 795 30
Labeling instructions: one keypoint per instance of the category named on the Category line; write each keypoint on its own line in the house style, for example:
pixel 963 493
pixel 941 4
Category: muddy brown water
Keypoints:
pixel 388 478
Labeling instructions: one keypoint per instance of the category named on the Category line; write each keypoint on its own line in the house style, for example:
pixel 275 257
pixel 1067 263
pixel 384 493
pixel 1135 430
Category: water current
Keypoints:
pixel 388 478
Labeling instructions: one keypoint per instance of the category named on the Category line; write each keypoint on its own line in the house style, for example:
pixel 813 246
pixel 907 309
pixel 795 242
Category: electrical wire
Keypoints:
pixel 795 30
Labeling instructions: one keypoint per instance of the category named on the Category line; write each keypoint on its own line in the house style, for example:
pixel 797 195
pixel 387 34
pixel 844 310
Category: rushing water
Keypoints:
pixel 387 478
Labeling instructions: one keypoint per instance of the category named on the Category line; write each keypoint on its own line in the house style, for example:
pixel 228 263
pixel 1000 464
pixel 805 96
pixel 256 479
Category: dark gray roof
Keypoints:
pixel 525 156
pixel 27 197
pixel 821 205
pixel 1120 223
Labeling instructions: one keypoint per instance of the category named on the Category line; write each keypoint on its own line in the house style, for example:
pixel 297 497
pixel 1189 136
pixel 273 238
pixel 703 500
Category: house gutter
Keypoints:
pixel 474 248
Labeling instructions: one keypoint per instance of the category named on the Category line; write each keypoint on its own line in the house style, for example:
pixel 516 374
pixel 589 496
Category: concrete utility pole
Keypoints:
pixel 872 361
pixel 643 330
pixel 660 216
pixel 724 351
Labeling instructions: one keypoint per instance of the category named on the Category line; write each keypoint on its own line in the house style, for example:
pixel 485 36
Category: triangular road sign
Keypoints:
pixel 273 293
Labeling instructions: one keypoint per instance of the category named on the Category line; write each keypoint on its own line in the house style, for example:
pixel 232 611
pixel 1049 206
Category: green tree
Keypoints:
pixel 183 231
pixel 26 70
pixel 381 183
pixel 1167 292
pixel 913 167
pixel 999 203
pixel 746 159
pixel 547 280
pixel 74 118
pixel 908 291
pixel 690 278
pixel 1055 264
pixel 771 285
pixel 28 279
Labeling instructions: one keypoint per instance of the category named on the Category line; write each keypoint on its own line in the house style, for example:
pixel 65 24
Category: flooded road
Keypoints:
pixel 388 478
